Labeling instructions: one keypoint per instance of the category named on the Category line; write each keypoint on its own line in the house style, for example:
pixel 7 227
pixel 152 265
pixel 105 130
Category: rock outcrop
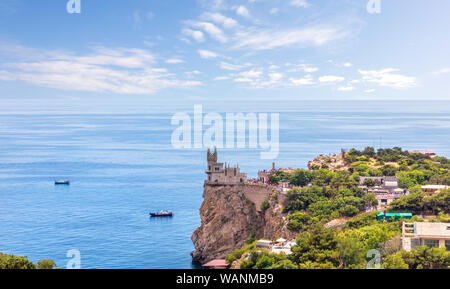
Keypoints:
pixel 336 162
pixel 231 214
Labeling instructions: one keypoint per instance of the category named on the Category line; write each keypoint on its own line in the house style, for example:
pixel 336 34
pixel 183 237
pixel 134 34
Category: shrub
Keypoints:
pixel 264 206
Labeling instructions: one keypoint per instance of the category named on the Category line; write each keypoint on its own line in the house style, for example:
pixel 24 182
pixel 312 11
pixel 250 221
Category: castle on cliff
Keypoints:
pixel 220 174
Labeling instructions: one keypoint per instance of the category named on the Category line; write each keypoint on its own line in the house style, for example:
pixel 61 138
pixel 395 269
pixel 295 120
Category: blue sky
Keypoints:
pixel 149 53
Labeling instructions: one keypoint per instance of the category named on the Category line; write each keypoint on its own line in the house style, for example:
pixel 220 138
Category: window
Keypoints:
pixel 447 245
pixel 217 169
pixel 432 243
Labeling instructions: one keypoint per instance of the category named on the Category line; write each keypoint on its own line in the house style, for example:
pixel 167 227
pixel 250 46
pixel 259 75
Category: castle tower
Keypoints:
pixel 222 175
pixel 212 156
pixel 212 160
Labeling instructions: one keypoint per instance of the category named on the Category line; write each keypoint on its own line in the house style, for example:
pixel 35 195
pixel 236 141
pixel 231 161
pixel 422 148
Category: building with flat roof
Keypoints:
pixel 433 189
pixel 263 244
pixel 425 233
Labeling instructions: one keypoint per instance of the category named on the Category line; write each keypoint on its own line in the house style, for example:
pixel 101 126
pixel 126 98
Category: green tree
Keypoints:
pixel 411 203
pixel 46 264
pixel 316 245
pixel 370 200
pixel 264 206
pixel 427 258
pixel 308 265
pixel 351 252
pixel 284 264
pixel 438 203
pixel 301 178
pixel 394 261
pixel 299 221
pixel 389 170
pixel 15 262
pixel 369 152
pixel 348 211
pixel 264 262
pixel 362 220
pixel 370 183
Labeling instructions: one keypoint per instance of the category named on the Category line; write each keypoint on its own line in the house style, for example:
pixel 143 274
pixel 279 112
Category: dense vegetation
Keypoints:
pixel 325 195
pixel 411 168
pixel 325 248
pixel 18 262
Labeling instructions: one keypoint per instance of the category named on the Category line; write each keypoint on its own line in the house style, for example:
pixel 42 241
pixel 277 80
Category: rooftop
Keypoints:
pixel 218 263
pixel 433 229
pixel 438 187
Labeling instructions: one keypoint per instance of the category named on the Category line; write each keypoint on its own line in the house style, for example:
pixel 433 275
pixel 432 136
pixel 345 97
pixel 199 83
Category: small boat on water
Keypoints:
pixel 66 183
pixel 162 214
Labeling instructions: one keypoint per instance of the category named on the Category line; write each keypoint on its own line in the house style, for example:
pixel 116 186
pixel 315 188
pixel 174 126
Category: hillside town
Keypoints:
pixel 383 183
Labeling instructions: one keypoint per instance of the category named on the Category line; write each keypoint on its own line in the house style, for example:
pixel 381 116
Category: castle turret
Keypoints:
pixel 212 157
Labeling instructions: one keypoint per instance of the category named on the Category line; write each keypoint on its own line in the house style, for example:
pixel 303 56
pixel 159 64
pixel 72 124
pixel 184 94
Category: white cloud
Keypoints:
pixel 275 77
pixel 213 31
pixel 302 67
pixel 303 37
pixel 273 67
pixel 219 78
pixel 307 80
pixel 346 88
pixel 369 90
pixel 206 54
pixel 229 66
pixel 442 71
pixel 251 76
pixel 347 64
pixel 310 69
pixel 242 11
pixel 220 19
pixel 243 79
pixel 191 74
pixel 331 79
pixel 254 73
pixel 274 11
pixel 119 70
pixel 300 3
pixel 174 61
pixel 195 34
pixel 387 78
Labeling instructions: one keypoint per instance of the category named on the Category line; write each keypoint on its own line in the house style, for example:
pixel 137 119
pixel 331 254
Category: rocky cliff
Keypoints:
pixel 336 162
pixel 231 214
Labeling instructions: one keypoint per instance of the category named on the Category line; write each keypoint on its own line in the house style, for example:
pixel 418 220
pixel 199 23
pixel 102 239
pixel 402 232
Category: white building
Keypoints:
pixel 429 234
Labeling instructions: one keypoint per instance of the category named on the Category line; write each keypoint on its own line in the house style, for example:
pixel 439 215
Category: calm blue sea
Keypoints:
pixel 123 166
